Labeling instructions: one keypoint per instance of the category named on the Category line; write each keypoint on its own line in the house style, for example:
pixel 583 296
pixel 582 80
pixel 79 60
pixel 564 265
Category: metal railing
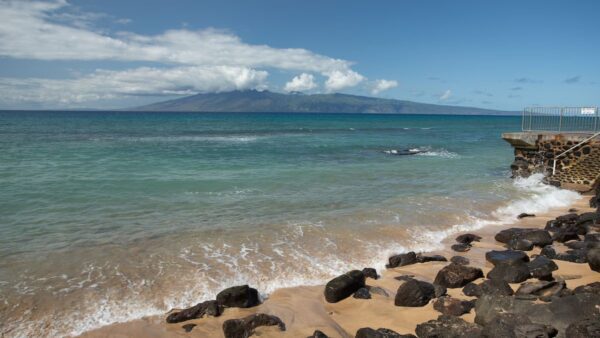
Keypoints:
pixel 561 119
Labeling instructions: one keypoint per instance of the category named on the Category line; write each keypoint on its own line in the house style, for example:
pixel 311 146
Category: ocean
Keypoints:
pixel 110 216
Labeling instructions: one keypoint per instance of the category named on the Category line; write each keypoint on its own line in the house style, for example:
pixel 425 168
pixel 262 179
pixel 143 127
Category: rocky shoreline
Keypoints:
pixel 536 280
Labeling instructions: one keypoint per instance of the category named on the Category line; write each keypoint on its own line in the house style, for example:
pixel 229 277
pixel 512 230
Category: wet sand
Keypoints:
pixel 303 309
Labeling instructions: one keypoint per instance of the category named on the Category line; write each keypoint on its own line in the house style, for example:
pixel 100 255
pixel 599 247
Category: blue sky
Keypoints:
pixel 108 54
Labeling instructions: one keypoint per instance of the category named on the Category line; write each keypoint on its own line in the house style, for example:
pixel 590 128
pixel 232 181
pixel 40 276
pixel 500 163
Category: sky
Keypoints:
pixel 69 54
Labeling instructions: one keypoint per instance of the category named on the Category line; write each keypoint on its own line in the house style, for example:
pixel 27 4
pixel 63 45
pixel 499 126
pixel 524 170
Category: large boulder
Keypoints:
pixel 588 288
pixel 488 287
pixel 241 296
pixel 402 260
pixel 344 286
pixel 584 328
pixel 244 328
pixel 457 276
pixel 448 327
pixel 515 273
pixel 512 325
pixel 414 293
pixel 536 236
pixel 208 308
pixel 509 257
pixel 452 306
pixel 367 332
pixel 541 268
pixel 593 258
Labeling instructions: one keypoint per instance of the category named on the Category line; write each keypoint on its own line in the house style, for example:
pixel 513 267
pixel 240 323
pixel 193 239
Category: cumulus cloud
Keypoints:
pixel 338 80
pixel 105 84
pixel 383 85
pixel 52 30
pixel 300 83
pixel 446 95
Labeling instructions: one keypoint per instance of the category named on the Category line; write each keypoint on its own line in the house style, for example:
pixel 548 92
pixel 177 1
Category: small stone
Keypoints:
pixel 376 290
pixel 402 260
pixel 367 332
pixel 460 260
pixel 461 247
pixel 523 215
pixel 362 293
pixel 318 334
pixel 468 238
pixel 435 258
pixel 188 327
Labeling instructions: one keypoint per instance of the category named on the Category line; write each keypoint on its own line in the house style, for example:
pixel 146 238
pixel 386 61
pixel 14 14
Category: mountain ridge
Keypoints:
pixel 253 101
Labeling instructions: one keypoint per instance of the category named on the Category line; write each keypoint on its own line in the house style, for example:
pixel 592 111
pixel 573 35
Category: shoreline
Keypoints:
pixel 303 309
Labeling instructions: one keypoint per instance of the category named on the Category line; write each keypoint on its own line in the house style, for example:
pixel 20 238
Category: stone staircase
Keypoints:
pixel 584 171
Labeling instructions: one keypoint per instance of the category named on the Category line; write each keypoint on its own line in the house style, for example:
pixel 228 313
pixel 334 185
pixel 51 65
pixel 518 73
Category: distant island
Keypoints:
pixel 253 101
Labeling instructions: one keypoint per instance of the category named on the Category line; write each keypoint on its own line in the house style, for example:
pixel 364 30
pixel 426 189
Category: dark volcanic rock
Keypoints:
pixel 585 328
pixel 536 236
pixel 461 247
pixel 344 286
pixel 440 290
pixel 523 215
pixel 508 257
pixel 472 290
pixel 520 244
pixel 435 258
pixel 448 327
pixel 515 273
pixel 367 332
pixel 565 236
pixel 452 306
pixel 512 325
pixel 468 238
pixel 238 296
pixel 535 331
pixel 188 327
pixel 362 293
pixel 588 288
pixel 488 287
pixel 370 273
pixel 318 334
pixel 376 290
pixel 593 258
pixel 575 256
pixel 456 276
pixel 541 267
pixel 541 288
pixel 208 308
pixel 243 328
pixel 414 293
pixel 402 260
pixel 460 260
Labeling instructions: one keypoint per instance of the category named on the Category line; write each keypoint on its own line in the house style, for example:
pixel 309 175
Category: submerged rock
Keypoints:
pixel 243 328
pixel 241 296
pixel 456 276
pixel 402 260
pixel 448 326
pixel 344 286
pixel 414 293
pixel 208 308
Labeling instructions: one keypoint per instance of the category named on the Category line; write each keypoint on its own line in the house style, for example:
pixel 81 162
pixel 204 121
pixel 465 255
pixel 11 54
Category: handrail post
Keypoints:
pixel 560 119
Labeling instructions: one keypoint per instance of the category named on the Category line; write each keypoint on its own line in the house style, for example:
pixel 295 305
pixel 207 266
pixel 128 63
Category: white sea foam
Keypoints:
pixel 190 138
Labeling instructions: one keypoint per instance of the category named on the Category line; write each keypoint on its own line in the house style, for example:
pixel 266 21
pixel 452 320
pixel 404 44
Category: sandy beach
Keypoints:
pixel 303 309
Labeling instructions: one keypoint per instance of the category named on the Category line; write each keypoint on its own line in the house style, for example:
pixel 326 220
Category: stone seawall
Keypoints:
pixel 579 169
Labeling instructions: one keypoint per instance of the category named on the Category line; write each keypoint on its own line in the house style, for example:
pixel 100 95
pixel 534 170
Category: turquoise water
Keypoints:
pixel 130 210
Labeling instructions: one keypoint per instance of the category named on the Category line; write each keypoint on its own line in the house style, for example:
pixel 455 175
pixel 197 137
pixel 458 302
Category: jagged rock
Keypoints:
pixel 460 247
pixel 241 296
pixel 208 308
pixel 535 331
pixel 541 288
pixel 402 260
pixel 536 236
pixel 468 238
pixel 456 276
pixel 344 286
pixel 593 258
pixel 520 244
pixel 435 258
pixel 488 287
pixel 448 327
pixel 588 288
pixel 541 267
pixel 515 273
pixel 362 293
pixel 565 236
pixel 370 273
pixel 440 290
pixel 574 256
pixel 188 327
pixel 575 244
pixel 367 332
pixel 243 328
pixel 452 306
pixel 414 293
pixel 460 260
pixel 318 334
pixel 523 215
pixel 584 328
pixel 508 257
pixel 512 325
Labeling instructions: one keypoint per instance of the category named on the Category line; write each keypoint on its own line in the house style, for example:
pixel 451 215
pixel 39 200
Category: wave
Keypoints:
pixel 423 151
pixel 224 139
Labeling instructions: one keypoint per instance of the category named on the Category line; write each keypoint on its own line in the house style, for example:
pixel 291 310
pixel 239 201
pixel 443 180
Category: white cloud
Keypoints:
pixel 104 84
pixel 54 30
pixel 446 95
pixel 338 80
pixel 383 85
pixel 300 83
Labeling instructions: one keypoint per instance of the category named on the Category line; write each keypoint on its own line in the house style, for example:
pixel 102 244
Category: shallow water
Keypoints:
pixel 109 216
